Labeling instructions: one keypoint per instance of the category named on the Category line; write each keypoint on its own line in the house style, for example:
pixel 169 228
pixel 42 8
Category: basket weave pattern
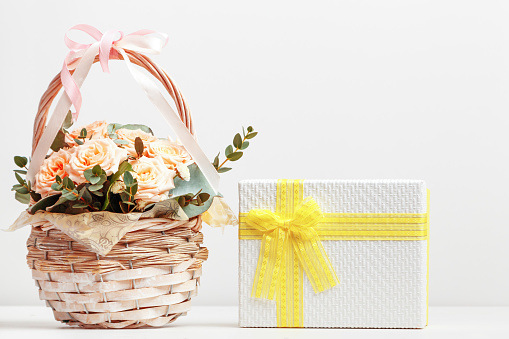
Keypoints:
pixel 147 279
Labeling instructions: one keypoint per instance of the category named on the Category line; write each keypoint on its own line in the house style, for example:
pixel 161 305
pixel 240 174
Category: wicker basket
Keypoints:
pixel 147 279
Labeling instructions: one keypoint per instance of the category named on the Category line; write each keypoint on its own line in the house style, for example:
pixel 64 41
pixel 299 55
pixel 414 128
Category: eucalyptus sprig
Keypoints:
pixel 23 188
pixel 127 196
pixel 240 143
pixel 85 195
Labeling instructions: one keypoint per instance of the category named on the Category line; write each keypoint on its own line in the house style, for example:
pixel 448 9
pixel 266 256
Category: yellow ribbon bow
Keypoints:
pixel 290 242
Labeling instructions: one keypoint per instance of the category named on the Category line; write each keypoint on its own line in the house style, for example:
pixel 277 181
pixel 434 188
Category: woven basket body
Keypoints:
pixel 147 279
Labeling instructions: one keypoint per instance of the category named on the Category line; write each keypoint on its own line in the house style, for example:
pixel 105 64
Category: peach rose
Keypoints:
pixel 102 152
pixel 96 130
pixel 155 180
pixel 130 135
pixel 172 153
pixel 51 167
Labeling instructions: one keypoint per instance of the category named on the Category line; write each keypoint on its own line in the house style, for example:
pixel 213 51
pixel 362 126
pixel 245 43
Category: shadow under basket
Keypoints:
pixel 147 279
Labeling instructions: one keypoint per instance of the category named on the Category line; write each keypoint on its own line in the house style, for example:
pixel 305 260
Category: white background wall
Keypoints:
pixel 337 89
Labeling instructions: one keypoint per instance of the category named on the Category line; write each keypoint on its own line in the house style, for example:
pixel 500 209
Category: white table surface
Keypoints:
pixel 20 322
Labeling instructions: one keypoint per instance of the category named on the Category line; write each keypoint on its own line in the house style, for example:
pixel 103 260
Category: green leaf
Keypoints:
pixel 223 169
pixel 102 179
pixel 22 190
pixel 250 129
pixel 204 197
pixel 120 142
pixel 237 141
pixel 110 129
pixel 22 198
pixel 125 197
pixel 95 187
pixel 216 161
pixel 35 196
pixel 56 186
pixel 88 174
pixel 124 166
pixel 243 131
pixel 245 145
pixel 83 133
pixel 94 180
pixel 16 187
pixel 251 135
pixel 70 195
pixel 58 179
pixel 129 203
pixel 235 156
pixel 20 161
pixel 68 120
pixel 128 179
pixel 68 183
pixel 85 194
pixel 78 141
pixel 97 170
pixel 79 205
pixel 138 146
pixel 134 189
pixel 20 179
pixel 44 203
pixel 228 150
pixel 60 201
pixel 58 142
pixel 20 171
pixel 182 201
pixel 98 193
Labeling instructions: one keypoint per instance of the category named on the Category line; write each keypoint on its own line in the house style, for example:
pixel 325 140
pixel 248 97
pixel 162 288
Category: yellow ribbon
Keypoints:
pixel 291 243
pixel 298 235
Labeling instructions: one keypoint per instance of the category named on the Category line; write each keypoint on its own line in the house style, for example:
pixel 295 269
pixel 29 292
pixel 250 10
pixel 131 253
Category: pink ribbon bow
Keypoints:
pixel 108 42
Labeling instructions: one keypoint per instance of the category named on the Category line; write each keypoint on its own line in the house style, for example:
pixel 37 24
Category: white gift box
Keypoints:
pixel 381 261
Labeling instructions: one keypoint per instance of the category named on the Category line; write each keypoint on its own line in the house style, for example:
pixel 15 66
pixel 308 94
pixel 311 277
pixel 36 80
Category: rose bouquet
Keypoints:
pixel 115 211
pixel 107 167
pixel 116 168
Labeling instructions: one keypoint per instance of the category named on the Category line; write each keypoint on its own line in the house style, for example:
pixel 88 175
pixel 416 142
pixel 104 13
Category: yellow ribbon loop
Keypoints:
pixel 290 237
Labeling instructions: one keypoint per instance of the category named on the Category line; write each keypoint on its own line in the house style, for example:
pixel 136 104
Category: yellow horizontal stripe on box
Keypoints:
pixel 351 226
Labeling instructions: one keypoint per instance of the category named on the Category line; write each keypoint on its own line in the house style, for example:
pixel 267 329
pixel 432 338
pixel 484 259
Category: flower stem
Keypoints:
pixel 225 160
pixel 81 199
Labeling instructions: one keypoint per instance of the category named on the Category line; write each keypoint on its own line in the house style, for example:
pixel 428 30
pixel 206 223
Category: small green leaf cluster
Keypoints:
pixel 235 151
pixel 127 195
pixel 94 194
pixel 80 140
pixel 23 188
pixel 194 199
pixel 75 199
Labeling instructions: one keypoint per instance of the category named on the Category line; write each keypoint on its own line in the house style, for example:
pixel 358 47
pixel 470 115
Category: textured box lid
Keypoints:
pixel 383 284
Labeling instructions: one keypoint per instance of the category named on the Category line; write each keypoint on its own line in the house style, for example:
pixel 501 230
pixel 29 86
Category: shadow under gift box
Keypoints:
pixel 375 234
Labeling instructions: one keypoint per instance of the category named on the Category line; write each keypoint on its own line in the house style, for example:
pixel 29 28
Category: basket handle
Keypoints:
pixel 181 123
pixel 136 58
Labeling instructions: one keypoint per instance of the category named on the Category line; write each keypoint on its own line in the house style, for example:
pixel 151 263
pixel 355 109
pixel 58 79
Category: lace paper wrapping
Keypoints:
pixel 98 231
